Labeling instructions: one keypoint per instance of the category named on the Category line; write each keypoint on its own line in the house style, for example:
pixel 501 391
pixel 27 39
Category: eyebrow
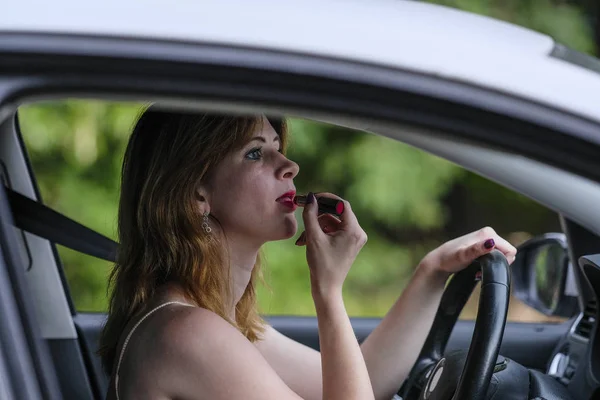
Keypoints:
pixel 262 139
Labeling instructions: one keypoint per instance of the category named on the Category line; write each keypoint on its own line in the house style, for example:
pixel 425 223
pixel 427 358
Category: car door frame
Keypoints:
pixel 25 362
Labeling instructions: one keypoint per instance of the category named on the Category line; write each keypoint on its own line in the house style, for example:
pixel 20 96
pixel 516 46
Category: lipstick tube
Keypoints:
pixel 326 205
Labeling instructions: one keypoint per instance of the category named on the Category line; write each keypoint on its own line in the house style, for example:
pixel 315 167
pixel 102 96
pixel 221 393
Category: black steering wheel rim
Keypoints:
pixel 493 271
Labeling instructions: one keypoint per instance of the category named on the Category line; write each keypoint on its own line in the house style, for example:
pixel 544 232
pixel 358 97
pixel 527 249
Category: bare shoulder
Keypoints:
pixel 196 335
pixel 203 353
pixel 195 324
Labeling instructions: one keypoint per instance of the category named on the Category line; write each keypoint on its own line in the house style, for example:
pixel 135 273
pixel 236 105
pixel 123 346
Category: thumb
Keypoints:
pixel 310 217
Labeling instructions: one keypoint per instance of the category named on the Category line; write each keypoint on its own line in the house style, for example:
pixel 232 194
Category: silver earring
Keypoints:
pixel 205 224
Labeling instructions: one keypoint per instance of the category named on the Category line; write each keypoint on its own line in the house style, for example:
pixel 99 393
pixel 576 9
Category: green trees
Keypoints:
pixel 566 21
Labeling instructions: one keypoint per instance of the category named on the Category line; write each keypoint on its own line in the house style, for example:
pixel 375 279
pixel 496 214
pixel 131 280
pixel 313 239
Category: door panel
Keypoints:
pixel 89 326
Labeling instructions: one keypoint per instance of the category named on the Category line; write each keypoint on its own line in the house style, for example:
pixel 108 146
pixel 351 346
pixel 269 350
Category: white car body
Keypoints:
pixel 408 35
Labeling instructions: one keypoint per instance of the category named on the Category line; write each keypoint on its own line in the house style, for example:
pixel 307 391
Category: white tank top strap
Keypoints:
pixel 131 333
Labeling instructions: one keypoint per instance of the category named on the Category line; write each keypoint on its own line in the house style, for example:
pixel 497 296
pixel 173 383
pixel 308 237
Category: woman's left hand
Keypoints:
pixel 457 254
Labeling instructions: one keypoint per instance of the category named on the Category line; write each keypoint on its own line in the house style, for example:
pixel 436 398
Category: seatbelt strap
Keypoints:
pixel 42 221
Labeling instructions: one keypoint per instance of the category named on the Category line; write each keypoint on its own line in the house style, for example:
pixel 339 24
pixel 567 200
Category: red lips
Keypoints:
pixel 287 195
pixel 287 200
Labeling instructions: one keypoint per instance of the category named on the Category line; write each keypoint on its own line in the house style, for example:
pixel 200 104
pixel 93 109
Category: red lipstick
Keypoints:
pixel 326 205
pixel 287 199
pixel 289 194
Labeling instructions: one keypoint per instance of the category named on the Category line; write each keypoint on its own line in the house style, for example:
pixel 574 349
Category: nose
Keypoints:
pixel 288 169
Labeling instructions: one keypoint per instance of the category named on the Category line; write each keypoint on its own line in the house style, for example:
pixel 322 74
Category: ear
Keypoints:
pixel 202 197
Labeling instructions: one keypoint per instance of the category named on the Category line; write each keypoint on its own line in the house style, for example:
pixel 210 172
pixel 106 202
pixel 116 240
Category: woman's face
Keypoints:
pixel 246 190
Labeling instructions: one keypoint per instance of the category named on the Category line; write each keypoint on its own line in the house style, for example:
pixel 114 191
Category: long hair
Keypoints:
pixel 168 156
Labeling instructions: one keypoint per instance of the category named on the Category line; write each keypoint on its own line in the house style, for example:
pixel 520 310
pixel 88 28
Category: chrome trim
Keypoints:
pixel 574 335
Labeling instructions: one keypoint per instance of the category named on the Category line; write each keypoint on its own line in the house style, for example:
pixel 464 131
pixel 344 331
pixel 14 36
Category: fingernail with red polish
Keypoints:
pixel 489 244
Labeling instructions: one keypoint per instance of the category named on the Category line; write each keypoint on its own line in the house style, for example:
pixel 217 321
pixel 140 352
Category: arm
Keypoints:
pixel 345 374
pixel 339 371
pixel 297 364
pixel 394 345
pixel 329 258
pixel 404 329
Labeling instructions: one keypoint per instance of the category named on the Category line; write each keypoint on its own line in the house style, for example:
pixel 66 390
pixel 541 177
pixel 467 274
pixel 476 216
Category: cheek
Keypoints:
pixel 246 185
pixel 241 193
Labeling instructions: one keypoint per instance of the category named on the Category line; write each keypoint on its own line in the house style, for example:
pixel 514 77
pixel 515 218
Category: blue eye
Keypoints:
pixel 254 154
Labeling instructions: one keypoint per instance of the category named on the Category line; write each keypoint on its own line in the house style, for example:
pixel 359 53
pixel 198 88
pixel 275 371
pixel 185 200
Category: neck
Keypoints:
pixel 241 261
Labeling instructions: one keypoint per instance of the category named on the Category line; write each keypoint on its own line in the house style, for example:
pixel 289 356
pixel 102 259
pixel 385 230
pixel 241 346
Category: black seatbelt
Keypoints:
pixel 36 218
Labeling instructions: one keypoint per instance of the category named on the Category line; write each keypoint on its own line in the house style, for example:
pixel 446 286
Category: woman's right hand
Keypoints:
pixel 331 245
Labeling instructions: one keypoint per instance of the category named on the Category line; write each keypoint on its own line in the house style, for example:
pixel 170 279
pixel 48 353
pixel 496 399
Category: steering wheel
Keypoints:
pixel 435 377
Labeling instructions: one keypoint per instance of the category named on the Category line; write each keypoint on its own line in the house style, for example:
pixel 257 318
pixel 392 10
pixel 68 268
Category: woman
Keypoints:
pixel 200 195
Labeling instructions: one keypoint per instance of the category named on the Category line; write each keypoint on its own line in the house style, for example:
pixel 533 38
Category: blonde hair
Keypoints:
pixel 160 227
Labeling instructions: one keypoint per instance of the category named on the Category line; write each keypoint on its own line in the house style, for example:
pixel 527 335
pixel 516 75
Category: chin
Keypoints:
pixel 290 229
pixel 281 237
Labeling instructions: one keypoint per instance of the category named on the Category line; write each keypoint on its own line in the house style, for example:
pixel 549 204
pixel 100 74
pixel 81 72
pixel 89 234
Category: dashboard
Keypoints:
pixel 576 360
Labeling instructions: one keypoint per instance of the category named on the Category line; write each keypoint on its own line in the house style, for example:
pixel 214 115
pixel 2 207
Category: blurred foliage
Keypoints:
pixel 408 201
pixel 565 21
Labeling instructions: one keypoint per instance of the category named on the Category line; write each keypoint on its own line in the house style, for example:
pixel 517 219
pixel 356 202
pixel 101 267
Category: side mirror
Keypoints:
pixel 543 277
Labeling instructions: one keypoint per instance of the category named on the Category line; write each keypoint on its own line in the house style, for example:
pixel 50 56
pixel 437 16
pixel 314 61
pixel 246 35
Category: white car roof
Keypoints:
pixel 419 37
